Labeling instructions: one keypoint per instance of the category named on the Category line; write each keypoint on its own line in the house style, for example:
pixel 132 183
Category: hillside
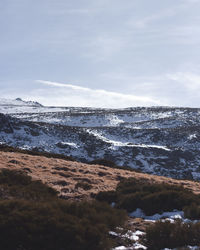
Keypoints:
pixel 75 180
pixel 84 184
pixel 159 140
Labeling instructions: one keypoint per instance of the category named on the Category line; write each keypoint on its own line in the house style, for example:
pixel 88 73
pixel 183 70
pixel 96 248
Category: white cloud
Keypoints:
pixel 173 89
pixel 73 95
pixel 190 81
pixel 181 88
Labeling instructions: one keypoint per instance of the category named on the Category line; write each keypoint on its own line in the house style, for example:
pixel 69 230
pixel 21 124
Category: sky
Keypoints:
pixel 101 53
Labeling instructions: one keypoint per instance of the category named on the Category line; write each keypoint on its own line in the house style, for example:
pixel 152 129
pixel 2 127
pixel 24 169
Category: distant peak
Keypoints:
pixel 32 103
pixel 19 102
pixel 19 99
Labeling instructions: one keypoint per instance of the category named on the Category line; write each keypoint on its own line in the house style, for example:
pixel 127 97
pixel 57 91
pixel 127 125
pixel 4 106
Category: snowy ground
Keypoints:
pixel 138 213
pixel 157 140
pixel 130 235
pixel 135 237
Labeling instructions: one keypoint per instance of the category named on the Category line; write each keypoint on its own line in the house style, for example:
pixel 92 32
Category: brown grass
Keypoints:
pixel 63 175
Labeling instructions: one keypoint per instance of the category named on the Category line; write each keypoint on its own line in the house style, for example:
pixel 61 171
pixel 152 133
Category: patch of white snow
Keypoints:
pixel 123 144
pixel 193 136
pixel 138 213
pixel 114 120
pixel 72 144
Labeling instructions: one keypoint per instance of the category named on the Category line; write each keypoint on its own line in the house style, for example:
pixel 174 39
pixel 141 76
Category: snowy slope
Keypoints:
pixel 18 102
pixel 159 140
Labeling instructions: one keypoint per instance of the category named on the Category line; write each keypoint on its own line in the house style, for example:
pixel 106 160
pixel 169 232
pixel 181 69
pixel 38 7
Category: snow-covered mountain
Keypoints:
pixel 158 140
pixel 18 102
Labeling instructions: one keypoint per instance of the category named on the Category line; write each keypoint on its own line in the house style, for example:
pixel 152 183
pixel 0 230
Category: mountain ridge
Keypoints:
pixel 163 141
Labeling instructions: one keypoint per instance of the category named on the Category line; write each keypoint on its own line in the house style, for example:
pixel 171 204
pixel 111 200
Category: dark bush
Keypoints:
pixel 16 184
pixel 109 196
pixel 166 200
pixel 130 202
pixel 35 218
pixel 103 162
pixel 172 235
pixel 192 212
pixel 111 164
pixel 56 225
pixel 131 194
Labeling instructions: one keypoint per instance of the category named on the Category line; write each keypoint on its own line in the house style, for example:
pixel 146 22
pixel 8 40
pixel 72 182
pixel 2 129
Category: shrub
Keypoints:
pixel 111 164
pixel 16 184
pixel 166 200
pixel 172 235
pixel 131 194
pixel 35 218
pixel 192 212
pixel 56 225
pixel 103 162
pixel 107 196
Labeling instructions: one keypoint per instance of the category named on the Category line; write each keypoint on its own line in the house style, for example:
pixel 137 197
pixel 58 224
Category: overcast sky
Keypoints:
pixel 101 53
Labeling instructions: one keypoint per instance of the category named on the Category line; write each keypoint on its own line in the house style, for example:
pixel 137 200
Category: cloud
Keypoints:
pixel 190 81
pixel 181 88
pixel 73 95
pixel 173 89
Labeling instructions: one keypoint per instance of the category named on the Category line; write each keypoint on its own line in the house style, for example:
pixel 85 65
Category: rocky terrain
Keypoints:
pixel 159 140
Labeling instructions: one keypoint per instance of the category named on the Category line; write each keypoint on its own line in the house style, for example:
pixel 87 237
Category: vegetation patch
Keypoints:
pixel 192 211
pixel 83 185
pixel 131 194
pixel 15 184
pixel 111 164
pixel 103 162
pixel 35 218
pixel 163 235
pixel 6 148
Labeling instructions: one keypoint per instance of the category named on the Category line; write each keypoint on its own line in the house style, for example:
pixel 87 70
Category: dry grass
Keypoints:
pixel 63 175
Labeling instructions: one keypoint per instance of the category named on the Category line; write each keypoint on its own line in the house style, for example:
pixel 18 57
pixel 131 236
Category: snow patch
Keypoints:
pixel 124 144
pixel 138 213
pixel 139 246
pixel 72 144
pixel 186 247
pixel 121 248
pixel 128 235
pixel 114 120
pixel 133 236
pixel 193 136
